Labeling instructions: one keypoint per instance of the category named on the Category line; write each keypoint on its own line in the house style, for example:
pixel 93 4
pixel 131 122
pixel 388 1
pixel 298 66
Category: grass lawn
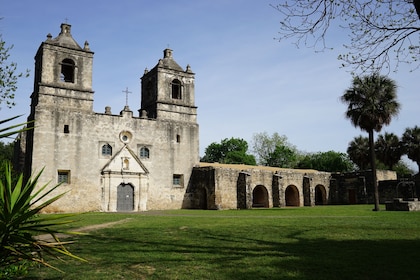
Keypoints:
pixel 325 242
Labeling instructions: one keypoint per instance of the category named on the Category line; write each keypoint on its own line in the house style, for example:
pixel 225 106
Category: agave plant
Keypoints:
pixel 20 222
pixel 8 131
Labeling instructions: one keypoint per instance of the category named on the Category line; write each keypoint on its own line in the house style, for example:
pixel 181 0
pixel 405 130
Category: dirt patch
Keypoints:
pixel 86 229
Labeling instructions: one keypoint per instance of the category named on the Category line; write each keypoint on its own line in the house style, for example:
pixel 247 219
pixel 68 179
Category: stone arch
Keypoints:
pixel 176 89
pixel 320 195
pixel 125 197
pixel 67 71
pixel 260 197
pixel 292 196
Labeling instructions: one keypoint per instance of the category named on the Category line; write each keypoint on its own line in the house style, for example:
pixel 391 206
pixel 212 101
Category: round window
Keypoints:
pixel 125 136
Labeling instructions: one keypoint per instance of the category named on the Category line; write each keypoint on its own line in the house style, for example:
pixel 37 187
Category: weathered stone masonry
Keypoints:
pixel 122 162
pixel 106 161
pixel 224 186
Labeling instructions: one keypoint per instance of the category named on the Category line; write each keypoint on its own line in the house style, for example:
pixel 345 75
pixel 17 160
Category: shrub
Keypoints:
pixel 20 222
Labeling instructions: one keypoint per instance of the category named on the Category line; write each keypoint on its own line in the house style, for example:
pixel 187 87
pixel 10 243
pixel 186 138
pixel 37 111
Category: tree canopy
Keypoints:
pixel 233 150
pixel 274 150
pixel 371 103
pixel 8 76
pixel 388 149
pixel 379 31
pixel 411 144
pixel 327 161
pixel 358 151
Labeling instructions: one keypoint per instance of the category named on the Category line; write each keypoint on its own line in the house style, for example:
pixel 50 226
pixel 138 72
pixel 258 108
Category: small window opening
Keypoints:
pixel 106 150
pixel 178 138
pixel 178 180
pixel 67 71
pixel 66 128
pixel 63 176
pixel 144 152
pixel 176 89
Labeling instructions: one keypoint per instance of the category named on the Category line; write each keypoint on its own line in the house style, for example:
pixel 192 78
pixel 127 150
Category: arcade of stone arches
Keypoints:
pixel 223 186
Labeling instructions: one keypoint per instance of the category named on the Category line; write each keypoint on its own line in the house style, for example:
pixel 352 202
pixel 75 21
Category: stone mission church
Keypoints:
pixel 148 160
pixel 105 161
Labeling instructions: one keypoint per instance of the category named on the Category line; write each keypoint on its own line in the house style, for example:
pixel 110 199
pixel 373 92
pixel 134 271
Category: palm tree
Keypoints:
pixel 358 151
pixel 411 144
pixel 388 149
pixel 372 103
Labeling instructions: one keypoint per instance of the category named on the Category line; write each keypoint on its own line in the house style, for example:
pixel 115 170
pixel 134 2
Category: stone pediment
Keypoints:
pixel 125 161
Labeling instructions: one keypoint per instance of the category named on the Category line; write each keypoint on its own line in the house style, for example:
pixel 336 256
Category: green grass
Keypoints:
pixel 328 242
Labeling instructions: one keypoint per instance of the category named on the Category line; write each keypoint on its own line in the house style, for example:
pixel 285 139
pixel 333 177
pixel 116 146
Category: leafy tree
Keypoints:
pixel 402 169
pixel 358 151
pixel 327 161
pixel 239 157
pixel 378 30
pixel 8 76
pixel 6 155
pixel 411 144
pixel 6 152
pixel 283 156
pixel 274 150
pixel 372 103
pixel 388 149
pixel 233 150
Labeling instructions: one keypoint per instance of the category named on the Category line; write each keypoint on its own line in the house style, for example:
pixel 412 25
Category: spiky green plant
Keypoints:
pixel 9 131
pixel 21 225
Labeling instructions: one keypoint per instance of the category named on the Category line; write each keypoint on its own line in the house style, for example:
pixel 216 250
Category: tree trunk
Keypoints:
pixel 418 167
pixel 373 165
pixel 417 6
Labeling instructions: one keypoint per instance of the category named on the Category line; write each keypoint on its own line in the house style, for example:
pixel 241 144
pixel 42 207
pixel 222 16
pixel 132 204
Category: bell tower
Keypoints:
pixel 63 74
pixel 61 100
pixel 168 91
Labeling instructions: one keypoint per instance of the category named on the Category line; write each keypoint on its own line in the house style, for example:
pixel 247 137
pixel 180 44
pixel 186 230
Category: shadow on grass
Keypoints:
pixel 204 254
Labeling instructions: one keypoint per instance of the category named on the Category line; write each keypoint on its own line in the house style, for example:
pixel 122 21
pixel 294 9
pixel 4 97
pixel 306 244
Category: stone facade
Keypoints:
pixel 122 162
pixel 105 161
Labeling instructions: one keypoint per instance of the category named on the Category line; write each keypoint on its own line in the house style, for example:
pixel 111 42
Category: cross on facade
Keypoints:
pixel 126 95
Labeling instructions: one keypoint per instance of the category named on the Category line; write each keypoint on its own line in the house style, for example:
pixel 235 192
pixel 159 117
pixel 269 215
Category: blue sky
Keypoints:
pixel 246 81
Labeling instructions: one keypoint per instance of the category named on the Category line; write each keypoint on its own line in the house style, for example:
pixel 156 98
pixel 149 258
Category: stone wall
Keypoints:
pixel 229 186
pixel 357 187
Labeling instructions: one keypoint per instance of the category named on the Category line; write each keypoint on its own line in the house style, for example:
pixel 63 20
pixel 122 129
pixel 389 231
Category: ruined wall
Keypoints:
pixel 245 187
pixel 358 188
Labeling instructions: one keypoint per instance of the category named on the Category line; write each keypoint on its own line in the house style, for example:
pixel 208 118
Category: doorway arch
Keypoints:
pixel 292 196
pixel 320 195
pixel 125 197
pixel 260 197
